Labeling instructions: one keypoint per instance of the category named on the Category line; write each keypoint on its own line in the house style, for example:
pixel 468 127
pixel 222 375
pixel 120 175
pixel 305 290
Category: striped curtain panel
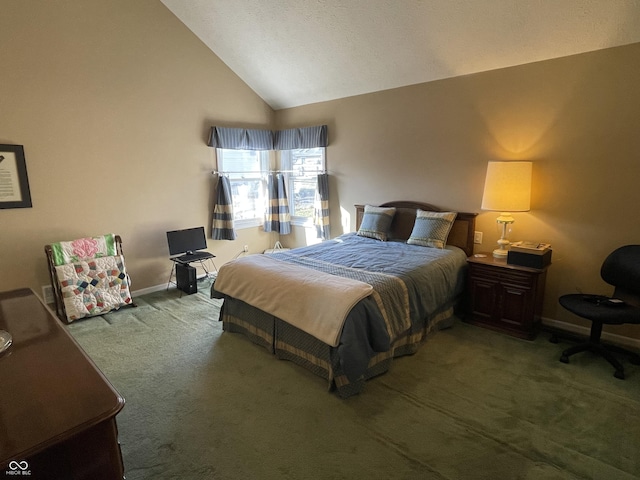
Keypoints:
pixel 321 207
pixel 278 218
pixel 223 212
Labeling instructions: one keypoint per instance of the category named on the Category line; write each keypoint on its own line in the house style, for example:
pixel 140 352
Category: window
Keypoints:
pixel 247 169
pixel 302 166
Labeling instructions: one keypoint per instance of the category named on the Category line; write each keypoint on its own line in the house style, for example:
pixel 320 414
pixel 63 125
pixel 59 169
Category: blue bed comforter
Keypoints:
pixel 411 284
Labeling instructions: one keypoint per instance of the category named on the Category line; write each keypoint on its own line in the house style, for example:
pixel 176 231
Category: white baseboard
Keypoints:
pixel 584 331
pixel 157 288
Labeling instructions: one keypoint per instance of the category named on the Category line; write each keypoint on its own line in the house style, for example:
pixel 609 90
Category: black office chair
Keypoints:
pixel 622 270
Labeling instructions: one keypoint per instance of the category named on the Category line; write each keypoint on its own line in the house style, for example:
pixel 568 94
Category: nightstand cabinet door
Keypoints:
pixel 505 298
pixel 514 303
pixel 485 295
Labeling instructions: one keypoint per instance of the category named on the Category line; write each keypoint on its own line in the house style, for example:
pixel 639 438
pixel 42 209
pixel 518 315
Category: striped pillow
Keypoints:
pixel 431 229
pixel 376 222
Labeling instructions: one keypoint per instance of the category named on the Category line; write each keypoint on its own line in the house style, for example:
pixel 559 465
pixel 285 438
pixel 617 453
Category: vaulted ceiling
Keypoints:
pixel 296 52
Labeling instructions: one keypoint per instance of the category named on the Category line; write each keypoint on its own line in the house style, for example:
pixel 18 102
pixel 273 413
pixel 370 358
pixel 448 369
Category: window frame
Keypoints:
pixel 251 175
pixel 286 162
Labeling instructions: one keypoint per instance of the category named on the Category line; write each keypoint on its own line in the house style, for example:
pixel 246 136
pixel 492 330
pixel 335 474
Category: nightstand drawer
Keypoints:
pixel 506 276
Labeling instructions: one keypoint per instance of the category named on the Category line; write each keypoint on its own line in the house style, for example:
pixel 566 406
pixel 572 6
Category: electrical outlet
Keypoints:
pixel 477 237
pixel 47 294
pixel 246 248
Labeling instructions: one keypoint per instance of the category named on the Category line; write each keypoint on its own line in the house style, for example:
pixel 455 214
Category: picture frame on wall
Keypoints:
pixel 14 183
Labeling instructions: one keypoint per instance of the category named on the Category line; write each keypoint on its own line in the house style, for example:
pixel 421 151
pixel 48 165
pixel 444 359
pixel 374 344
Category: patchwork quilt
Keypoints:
pixel 83 248
pixel 94 286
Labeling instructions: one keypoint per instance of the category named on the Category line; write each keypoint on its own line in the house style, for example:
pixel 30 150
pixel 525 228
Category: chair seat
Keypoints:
pixel 587 306
pixel 621 269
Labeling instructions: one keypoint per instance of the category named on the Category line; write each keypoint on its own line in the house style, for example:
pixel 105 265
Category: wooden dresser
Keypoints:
pixel 57 410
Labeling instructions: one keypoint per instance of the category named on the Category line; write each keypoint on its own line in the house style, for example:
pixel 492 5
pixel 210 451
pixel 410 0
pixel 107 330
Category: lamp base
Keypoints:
pixel 500 252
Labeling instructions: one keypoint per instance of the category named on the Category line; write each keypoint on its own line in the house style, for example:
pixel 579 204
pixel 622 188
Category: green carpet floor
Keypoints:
pixel 471 404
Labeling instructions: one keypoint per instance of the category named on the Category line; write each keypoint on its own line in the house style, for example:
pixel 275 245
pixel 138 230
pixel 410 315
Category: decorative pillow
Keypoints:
pixel 431 229
pixel 376 222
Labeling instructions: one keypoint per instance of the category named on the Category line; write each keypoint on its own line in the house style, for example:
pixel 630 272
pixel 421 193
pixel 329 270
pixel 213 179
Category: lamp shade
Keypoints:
pixel 507 187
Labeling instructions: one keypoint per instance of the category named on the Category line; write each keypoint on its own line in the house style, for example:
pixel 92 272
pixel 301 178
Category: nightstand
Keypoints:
pixel 506 298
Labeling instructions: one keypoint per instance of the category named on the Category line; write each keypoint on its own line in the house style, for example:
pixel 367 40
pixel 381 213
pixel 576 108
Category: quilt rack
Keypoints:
pixel 106 277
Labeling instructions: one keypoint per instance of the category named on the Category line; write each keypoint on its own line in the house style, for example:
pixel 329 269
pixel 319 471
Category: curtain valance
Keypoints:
pixel 241 138
pixel 306 137
pixel 253 139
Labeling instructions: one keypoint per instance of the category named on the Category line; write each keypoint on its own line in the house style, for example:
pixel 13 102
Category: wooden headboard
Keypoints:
pixel 461 234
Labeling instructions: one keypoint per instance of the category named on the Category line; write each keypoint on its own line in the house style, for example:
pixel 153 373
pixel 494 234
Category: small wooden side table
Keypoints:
pixel 503 297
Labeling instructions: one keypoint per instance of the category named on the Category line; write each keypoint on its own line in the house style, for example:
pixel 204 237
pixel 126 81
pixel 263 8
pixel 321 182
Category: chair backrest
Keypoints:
pixel 622 269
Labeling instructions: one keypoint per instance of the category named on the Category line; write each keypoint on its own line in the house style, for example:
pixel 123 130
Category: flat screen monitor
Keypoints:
pixel 186 241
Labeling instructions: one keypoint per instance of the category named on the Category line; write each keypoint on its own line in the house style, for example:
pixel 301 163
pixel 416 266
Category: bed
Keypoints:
pixel 387 295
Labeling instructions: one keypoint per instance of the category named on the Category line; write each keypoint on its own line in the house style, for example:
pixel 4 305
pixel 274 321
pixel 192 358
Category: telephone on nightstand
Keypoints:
pixel 529 254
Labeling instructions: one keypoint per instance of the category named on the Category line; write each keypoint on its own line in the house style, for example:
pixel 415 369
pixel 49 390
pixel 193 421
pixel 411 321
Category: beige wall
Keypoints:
pixel 112 101
pixel 577 118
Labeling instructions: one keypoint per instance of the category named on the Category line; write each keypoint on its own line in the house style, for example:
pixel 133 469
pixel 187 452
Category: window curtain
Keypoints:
pixel 278 217
pixel 241 138
pixel 307 137
pixel 310 137
pixel 252 139
pixel 321 207
pixel 223 212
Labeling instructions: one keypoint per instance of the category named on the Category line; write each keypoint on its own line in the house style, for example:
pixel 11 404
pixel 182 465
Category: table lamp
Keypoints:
pixel 507 188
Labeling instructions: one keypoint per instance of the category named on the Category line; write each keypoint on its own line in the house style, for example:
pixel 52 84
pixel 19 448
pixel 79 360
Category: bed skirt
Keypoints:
pixel 287 342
